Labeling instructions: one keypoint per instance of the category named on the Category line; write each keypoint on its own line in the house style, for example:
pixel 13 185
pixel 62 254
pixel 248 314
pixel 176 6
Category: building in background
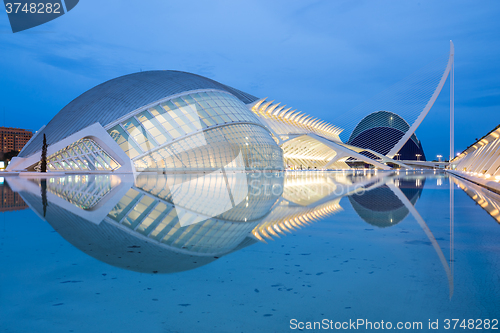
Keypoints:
pixel 308 142
pixel 382 130
pixel 13 139
pixel 482 158
pixel 171 120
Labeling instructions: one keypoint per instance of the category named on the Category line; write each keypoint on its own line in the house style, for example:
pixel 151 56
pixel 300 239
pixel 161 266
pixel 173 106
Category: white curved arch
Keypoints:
pixel 427 108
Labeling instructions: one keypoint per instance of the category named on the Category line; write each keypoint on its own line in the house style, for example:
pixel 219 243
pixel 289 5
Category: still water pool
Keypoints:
pixel 238 252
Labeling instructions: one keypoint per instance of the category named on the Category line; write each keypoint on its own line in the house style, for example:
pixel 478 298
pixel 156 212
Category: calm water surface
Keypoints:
pixel 235 252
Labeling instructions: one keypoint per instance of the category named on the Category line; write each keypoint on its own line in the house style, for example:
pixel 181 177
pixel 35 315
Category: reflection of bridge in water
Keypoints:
pixel 171 223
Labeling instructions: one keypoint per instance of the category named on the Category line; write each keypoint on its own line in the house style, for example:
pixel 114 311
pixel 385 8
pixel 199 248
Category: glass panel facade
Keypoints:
pixel 129 147
pixel 126 203
pixel 217 148
pixel 139 134
pixel 139 212
pixel 83 155
pixel 148 209
pixel 153 127
pixel 154 138
pixel 84 191
pixel 175 118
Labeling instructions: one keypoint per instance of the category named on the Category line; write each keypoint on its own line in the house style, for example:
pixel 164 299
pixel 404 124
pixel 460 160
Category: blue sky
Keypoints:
pixel 322 57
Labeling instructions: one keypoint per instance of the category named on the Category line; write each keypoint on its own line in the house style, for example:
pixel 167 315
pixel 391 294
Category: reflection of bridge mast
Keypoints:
pixel 452 224
pixel 391 200
pixel 428 232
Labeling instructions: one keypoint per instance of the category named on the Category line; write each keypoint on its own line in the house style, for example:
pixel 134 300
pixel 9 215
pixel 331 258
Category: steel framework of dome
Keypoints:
pixel 381 131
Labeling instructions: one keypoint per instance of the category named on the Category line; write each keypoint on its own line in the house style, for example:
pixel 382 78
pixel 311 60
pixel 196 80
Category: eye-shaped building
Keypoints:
pixel 155 120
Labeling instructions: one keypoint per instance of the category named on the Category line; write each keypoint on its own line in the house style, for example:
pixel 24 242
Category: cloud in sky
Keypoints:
pixel 324 57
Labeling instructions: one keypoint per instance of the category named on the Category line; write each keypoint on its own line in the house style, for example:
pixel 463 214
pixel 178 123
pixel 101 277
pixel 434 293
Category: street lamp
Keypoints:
pixel 439 158
pixel 397 155
pixel 418 156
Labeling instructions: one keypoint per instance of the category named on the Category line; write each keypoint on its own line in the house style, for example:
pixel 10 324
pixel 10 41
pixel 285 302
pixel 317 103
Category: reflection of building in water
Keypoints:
pixel 381 207
pixel 84 191
pixel 169 223
pixel 200 214
pixel 172 223
pixel 287 217
pixel 10 200
pixel 307 198
pixel 485 198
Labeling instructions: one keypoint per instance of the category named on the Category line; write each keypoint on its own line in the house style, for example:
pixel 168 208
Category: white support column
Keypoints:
pixel 427 108
pixel 335 159
pixel 341 149
pixel 452 108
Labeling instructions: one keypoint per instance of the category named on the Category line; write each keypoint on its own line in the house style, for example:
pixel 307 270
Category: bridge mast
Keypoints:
pixel 452 103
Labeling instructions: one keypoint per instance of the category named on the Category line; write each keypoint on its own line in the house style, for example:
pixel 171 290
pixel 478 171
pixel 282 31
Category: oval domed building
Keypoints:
pixel 380 131
pixel 155 120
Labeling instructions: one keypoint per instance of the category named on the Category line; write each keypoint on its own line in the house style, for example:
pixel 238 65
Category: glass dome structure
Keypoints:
pixel 155 121
pixel 380 131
